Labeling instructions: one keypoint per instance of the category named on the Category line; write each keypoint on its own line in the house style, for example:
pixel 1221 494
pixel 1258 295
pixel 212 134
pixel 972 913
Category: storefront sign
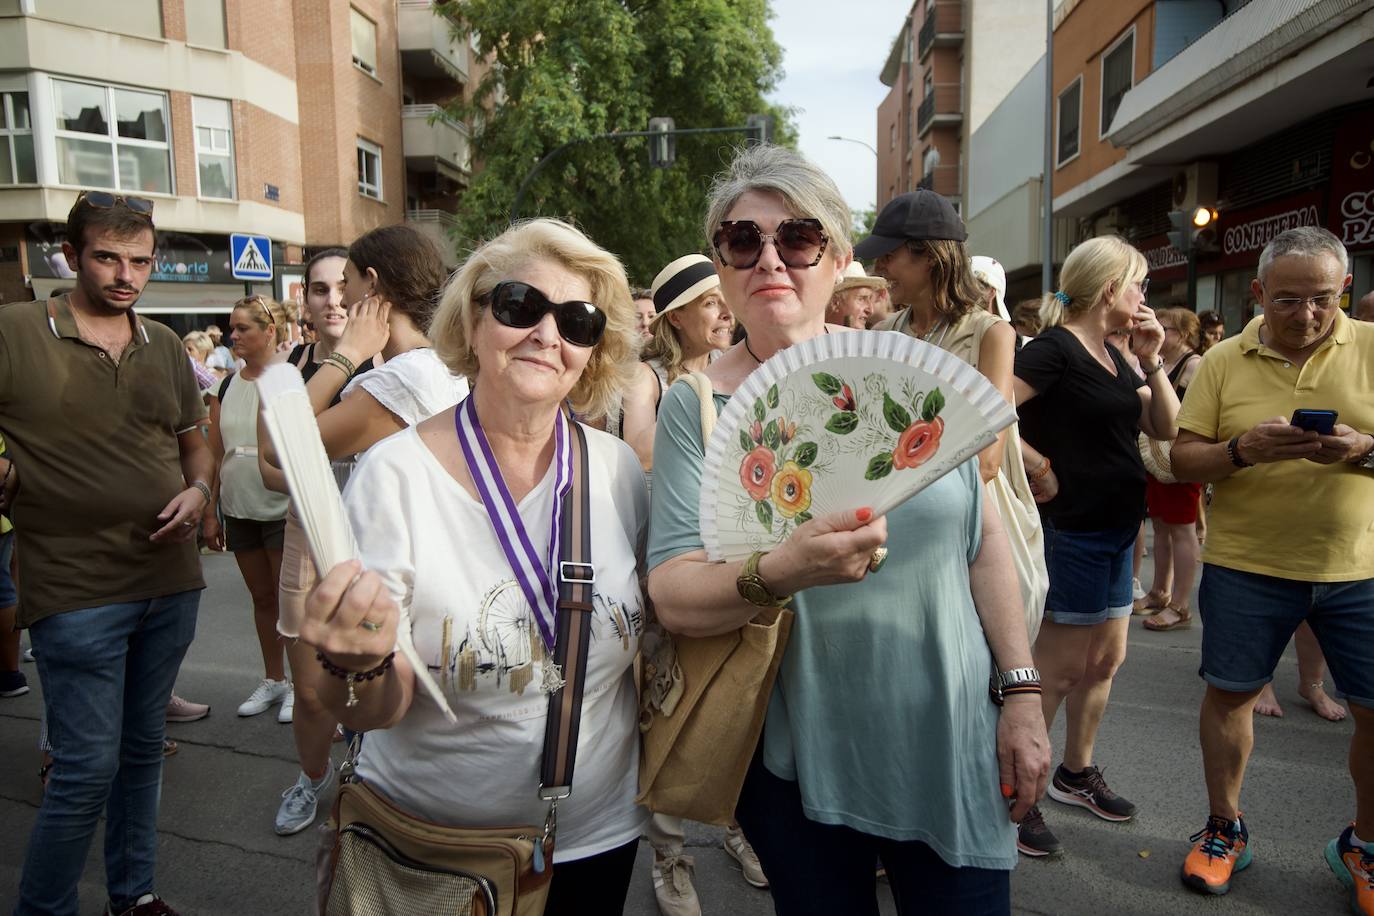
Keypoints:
pixel 1242 234
pixel 1162 257
pixel 1352 181
pixel 180 258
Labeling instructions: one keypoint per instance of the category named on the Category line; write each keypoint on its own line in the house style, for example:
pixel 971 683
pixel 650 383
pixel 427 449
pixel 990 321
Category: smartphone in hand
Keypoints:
pixel 1321 422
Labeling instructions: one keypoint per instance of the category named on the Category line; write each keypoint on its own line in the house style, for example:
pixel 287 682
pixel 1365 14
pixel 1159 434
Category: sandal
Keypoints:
pixel 169 747
pixel 1152 603
pixel 1183 618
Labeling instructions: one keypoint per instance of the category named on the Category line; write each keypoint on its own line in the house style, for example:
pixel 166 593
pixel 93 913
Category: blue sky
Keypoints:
pixel 833 53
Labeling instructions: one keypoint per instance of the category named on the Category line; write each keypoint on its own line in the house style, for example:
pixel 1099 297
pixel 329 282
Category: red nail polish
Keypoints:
pixel 1006 790
pixel 863 515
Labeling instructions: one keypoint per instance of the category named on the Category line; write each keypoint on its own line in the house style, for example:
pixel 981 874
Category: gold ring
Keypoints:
pixel 370 626
pixel 877 559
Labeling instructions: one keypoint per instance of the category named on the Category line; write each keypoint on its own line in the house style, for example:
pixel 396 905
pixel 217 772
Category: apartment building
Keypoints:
pixel 309 122
pixel 1262 110
pixel 965 117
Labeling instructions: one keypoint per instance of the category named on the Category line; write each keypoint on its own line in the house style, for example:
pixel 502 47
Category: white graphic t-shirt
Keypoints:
pixel 434 545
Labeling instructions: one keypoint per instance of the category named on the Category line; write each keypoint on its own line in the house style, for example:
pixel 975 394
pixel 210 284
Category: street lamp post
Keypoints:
pixel 867 146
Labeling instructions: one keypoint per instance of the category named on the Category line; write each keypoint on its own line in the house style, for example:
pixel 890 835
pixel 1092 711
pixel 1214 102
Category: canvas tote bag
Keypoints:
pixel 703 701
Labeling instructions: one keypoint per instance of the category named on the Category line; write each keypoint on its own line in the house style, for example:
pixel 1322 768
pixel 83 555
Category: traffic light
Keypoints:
pixel 759 129
pixel 662 149
pixel 1192 229
pixel 1182 234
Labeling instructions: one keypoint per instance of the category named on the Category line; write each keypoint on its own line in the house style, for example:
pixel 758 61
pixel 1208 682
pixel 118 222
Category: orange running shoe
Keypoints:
pixel 1354 865
pixel 1220 849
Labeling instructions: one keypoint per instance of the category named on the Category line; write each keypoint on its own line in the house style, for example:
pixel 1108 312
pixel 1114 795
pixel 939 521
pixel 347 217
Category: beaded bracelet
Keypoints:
pixel 204 489
pixel 353 677
pixel 1041 471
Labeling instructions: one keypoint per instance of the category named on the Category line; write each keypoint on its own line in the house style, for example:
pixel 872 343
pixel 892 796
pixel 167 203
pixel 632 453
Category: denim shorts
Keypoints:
pixel 1090 574
pixel 251 534
pixel 1248 619
pixel 8 596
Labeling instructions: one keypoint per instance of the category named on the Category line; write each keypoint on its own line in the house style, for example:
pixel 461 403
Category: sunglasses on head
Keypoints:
pixel 104 200
pixel 799 242
pixel 519 305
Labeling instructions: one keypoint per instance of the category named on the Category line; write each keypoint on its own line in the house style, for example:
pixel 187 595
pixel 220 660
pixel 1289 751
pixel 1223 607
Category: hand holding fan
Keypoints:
pixel 295 434
pixel 839 422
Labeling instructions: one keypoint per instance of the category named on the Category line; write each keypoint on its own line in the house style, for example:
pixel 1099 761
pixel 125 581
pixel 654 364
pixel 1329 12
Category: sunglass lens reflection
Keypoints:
pixel 799 242
pixel 519 305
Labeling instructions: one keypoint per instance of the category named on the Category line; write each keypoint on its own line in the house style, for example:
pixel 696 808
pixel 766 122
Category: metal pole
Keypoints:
pixel 613 135
pixel 1192 276
pixel 1047 182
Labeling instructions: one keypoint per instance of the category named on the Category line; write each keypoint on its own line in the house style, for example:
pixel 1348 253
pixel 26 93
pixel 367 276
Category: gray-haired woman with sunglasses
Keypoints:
pixel 880 740
pixel 453 516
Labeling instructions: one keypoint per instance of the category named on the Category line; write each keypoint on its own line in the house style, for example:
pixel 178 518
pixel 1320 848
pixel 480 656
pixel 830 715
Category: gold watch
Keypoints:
pixel 753 589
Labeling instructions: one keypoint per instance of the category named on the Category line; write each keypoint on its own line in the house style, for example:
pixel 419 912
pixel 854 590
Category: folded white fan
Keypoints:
pixel 315 494
pixel 839 422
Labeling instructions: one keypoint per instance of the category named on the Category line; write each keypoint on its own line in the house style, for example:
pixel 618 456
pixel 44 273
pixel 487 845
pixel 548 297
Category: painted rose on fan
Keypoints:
pixel 767 443
pixel 917 443
pixel 756 472
pixel 792 490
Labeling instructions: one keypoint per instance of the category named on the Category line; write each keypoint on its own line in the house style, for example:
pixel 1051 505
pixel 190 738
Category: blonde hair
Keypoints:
pixel 1089 271
pixel 264 312
pixel 664 346
pixel 611 365
pixel 1186 322
pixel 808 191
pixel 200 342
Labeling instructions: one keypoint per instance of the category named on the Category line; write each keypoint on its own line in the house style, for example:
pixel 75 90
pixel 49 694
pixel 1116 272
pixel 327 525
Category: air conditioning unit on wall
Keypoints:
pixel 1195 185
pixel 1110 223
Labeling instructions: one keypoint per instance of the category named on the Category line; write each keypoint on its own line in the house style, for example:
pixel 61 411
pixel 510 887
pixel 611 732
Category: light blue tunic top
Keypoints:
pixel 881 711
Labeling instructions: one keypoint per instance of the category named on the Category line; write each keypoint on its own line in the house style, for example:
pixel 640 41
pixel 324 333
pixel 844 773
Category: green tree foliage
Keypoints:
pixel 571 69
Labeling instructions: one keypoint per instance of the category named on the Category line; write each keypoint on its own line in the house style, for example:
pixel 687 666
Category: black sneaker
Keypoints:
pixel 1089 790
pixel 13 684
pixel 1034 839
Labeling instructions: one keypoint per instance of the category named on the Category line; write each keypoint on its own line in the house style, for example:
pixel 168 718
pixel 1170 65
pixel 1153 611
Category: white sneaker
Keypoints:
pixel 740 850
pixel 673 886
pixel 300 803
pixel 268 694
pixel 288 706
pixel 1137 592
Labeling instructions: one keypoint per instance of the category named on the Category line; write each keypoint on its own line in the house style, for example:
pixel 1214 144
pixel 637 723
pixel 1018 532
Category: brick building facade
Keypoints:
pixel 310 122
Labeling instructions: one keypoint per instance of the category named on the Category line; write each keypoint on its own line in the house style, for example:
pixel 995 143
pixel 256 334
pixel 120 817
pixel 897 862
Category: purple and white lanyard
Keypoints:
pixel 538 580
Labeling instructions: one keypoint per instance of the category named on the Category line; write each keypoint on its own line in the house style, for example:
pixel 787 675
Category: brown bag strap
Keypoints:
pixel 576 574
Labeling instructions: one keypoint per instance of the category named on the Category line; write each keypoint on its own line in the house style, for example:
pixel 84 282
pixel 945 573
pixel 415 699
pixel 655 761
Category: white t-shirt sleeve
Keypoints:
pixel 631 494
pixel 413 386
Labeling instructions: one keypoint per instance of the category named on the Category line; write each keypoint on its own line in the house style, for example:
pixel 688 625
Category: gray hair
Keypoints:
pixel 808 191
pixel 1306 242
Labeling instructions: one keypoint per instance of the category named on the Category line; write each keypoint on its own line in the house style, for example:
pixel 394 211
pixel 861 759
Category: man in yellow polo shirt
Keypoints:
pixel 1290 533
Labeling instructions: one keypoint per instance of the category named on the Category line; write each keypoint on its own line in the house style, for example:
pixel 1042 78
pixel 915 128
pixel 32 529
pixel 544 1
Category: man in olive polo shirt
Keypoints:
pixel 1290 533
pixel 109 478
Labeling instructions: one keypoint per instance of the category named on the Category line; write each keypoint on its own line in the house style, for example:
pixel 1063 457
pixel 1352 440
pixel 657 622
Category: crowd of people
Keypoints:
pixel 931 648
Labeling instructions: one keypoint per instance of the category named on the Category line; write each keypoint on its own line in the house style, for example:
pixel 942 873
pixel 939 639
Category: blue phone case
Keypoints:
pixel 1322 422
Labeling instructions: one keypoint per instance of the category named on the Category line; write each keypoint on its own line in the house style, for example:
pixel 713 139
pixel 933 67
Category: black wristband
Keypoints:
pixel 347 675
pixel 1233 452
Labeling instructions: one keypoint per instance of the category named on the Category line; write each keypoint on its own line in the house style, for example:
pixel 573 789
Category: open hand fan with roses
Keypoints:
pixel 839 422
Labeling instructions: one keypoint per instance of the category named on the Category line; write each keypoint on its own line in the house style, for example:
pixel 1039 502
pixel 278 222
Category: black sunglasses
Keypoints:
pixel 104 200
pixel 799 242
pixel 519 305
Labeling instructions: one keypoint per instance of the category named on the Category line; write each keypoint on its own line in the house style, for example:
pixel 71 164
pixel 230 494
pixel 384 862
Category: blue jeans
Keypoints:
pixel 825 868
pixel 1090 574
pixel 1248 619
pixel 107 673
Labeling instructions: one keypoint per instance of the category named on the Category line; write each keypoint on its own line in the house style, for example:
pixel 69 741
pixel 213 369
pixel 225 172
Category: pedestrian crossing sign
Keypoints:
pixel 250 257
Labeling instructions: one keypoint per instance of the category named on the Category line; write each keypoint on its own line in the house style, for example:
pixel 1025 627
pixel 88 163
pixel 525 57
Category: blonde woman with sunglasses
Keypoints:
pixel 253 515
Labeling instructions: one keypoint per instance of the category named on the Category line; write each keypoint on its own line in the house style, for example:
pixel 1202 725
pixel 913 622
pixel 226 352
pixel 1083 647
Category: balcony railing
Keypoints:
pixel 944 26
pixel 428 47
pixel 435 142
pixel 942 179
pixel 436 225
pixel 943 104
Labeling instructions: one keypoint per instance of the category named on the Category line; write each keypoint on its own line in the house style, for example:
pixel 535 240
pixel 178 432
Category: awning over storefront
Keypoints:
pixel 169 298
pixel 1238 49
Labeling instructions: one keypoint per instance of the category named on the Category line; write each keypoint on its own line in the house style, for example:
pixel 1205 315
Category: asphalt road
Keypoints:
pixel 219 855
